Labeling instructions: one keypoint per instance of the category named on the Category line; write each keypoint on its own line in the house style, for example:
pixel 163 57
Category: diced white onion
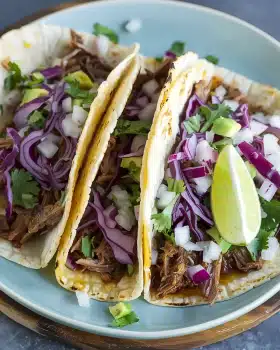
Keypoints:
pixel 162 188
pixel 52 138
pixel 22 131
pixel 102 43
pixel 182 235
pixel 220 92
pixel 67 105
pixel 150 87
pixel 270 143
pixel 47 148
pixel 125 219
pixel 204 152
pixel 275 121
pixel 165 199
pixel 209 136
pixel 79 115
pixel 189 246
pixel 70 128
pixel 211 251
pixel 257 128
pixel 233 105
pixel 137 142
pixel 260 118
pixel 154 256
pixel 148 112
pixel 120 197
pixel 136 211
pixel 267 190
pixel 273 247
pixel 133 25
pixel 243 135
pixel 167 173
pixel 203 184
pixel 83 299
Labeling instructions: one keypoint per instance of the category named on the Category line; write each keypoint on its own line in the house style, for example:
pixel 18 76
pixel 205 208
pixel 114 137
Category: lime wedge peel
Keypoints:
pixel 234 199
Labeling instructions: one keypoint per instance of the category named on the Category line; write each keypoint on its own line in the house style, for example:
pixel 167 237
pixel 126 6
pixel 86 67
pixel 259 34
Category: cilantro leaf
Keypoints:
pixel 162 221
pixel 259 243
pixel 99 29
pixel 134 193
pixel 126 320
pixel 75 91
pixel 37 120
pixel 25 189
pixel 178 48
pixel 14 77
pixel 132 127
pixel 176 186
pixel 134 171
pixel 272 209
pixel 193 124
pixel 86 247
pixel 218 110
pixel 159 59
pixel 130 270
pixel 212 59
pixel 35 79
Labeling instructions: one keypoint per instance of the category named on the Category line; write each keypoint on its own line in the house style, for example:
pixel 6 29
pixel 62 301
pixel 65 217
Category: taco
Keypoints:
pixel 101 250
pixel 209 111
pixel 55 86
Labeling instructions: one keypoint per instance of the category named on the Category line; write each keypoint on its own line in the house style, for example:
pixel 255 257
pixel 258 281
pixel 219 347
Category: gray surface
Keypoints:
pixel 263 13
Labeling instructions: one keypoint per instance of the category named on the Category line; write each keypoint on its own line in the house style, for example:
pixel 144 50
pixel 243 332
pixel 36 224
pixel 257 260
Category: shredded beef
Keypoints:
pixel 4 227
pixel 6 143
pixel 173 262
pixel 109 163
pixel 94 265
pixel 235 94
pixel 210 287
pixel 45 218
pixel 19 228
pixel 239 259
pixel 202 90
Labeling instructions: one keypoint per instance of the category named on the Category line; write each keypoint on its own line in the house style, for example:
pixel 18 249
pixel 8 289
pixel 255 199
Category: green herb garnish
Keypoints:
pixel 132 127
pixel 14 77
pixel 192 124
pixel 176 186
pixel 76 92
pixel 99 29
pixel 212 59
pixel 86 247
pixel 37 120
pixel 218 110
pixel 178 48
pixel 25 189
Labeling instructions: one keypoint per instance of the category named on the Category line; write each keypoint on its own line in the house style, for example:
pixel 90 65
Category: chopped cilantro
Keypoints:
pixel 99 29
pixel 218 110
pixel 134 193
pixel 14 77
pixel 37 120
pixel 75 91
pixel 178 48
pixel 35 79
pixel 259 243
pixel 193 124
pixel 272 209
pixel 176 186
pixel 162 221
pixel 62 197
pixel 212 59
pixel 134 171
pixel 25 189
pixel 135 127
pixel 86 247
pixel 126 320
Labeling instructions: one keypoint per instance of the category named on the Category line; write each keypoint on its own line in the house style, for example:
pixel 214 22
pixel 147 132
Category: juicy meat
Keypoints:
pixel 94 265
pixel 19 228
pixel 109 163
pixel 45 218
pixel 6 143
pixel 239 259
pixel 202 90
pixel 210 287
pixel 173 266
pixel 4 227
pixel 235 94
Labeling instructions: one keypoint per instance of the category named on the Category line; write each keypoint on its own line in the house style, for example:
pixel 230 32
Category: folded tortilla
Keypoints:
pixel 130 286
pixel 185 75
pixel 40 45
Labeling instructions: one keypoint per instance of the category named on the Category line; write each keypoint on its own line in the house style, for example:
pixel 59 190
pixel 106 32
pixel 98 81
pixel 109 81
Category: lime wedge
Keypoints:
pixel 234 199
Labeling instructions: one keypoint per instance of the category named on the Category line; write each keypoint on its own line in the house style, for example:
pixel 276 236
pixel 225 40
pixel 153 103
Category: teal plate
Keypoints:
pixel 240 47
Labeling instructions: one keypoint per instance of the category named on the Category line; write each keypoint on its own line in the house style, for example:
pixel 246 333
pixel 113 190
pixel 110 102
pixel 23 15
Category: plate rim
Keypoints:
pixel 121 333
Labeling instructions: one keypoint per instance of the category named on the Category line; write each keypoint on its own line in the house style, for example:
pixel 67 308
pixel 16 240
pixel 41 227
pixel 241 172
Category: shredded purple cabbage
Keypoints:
pixel 52 72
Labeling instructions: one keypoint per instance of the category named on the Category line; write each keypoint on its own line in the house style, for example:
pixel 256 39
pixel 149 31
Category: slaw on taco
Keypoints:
pixel 101 250
pixel 55 86
pixel 209 111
